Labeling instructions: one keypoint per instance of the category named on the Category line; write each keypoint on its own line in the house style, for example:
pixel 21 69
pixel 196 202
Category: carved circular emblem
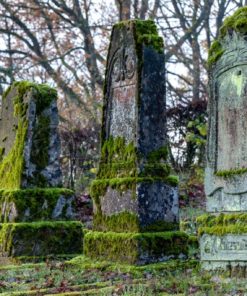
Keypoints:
pixel 123 64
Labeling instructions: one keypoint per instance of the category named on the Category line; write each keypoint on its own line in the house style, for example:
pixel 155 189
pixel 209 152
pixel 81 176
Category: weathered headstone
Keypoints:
pixel 35 213
pixel 29 141
pixel 135 197
pixel 223 232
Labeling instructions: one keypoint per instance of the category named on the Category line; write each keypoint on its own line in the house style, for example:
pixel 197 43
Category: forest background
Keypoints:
pixel 64 43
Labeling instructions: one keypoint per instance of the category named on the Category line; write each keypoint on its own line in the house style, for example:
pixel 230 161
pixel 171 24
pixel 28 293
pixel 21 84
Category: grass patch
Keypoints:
pixel 81 276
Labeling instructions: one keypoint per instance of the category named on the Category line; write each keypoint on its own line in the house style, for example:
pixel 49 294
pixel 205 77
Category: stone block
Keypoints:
pixel 29 141
pixel 228 247
pixel 143 205
pixel 135 248
pixel 30 204
pixel 40 239
pixel 27 205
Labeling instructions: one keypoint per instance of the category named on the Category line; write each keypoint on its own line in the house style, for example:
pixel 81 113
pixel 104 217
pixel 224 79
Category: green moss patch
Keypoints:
pixel 121 222
pixel 40 238
pixel 160 226
pixel 118 167
pixel 159 155
pixel 237 23
pixel 115 150
pixel 117 170
pixel 129 222
pixel 215 52
pixel 222 224
pixel 223 230
pixel 12 164
pixel 135 248
pixel 231 173
pixel 145 33
pixel 221 219
pixel 118 159
pixel 32 204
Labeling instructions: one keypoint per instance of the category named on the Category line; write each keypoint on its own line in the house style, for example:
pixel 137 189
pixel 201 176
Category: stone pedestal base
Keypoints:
pixel 40 239
pixel 34 223
pixel 227 247
pixel 224 253
pixel 223 243
pixel 136 248
pixel 37 204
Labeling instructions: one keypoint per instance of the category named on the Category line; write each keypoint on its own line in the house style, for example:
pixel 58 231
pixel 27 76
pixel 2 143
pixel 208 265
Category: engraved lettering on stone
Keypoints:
pixel 229 247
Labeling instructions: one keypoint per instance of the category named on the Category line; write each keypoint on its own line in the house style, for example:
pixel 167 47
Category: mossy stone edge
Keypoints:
pixel 39 202
pixel 12 164
pixel 222 224
pixel 135 248
pixel 128 221
pixel 237 23
pixel 38 239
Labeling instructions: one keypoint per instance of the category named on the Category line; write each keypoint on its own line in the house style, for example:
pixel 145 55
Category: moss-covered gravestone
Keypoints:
pixel 224 231
pixel 35 213
pixel 135 197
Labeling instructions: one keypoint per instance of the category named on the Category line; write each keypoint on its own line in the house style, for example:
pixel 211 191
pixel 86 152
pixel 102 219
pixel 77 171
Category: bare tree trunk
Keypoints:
pixel 135 5
pixel 144 9
pixel 10 59
pixel 196 69
pixel 154 11
pixel 123 9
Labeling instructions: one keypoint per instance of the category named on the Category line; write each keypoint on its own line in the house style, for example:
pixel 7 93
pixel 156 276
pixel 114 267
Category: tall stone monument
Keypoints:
pixel 223 231
pixel 35 212
pixel 135 197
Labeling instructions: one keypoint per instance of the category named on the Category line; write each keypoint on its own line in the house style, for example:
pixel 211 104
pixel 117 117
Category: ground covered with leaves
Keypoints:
pixel 80 276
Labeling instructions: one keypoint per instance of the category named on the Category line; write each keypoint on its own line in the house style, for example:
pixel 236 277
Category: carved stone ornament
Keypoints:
pixel 225 183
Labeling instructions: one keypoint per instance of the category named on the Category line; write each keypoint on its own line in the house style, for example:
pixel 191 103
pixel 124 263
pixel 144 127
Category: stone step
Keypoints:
pixel 29 205
pixel 136 248
pixel 29 241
